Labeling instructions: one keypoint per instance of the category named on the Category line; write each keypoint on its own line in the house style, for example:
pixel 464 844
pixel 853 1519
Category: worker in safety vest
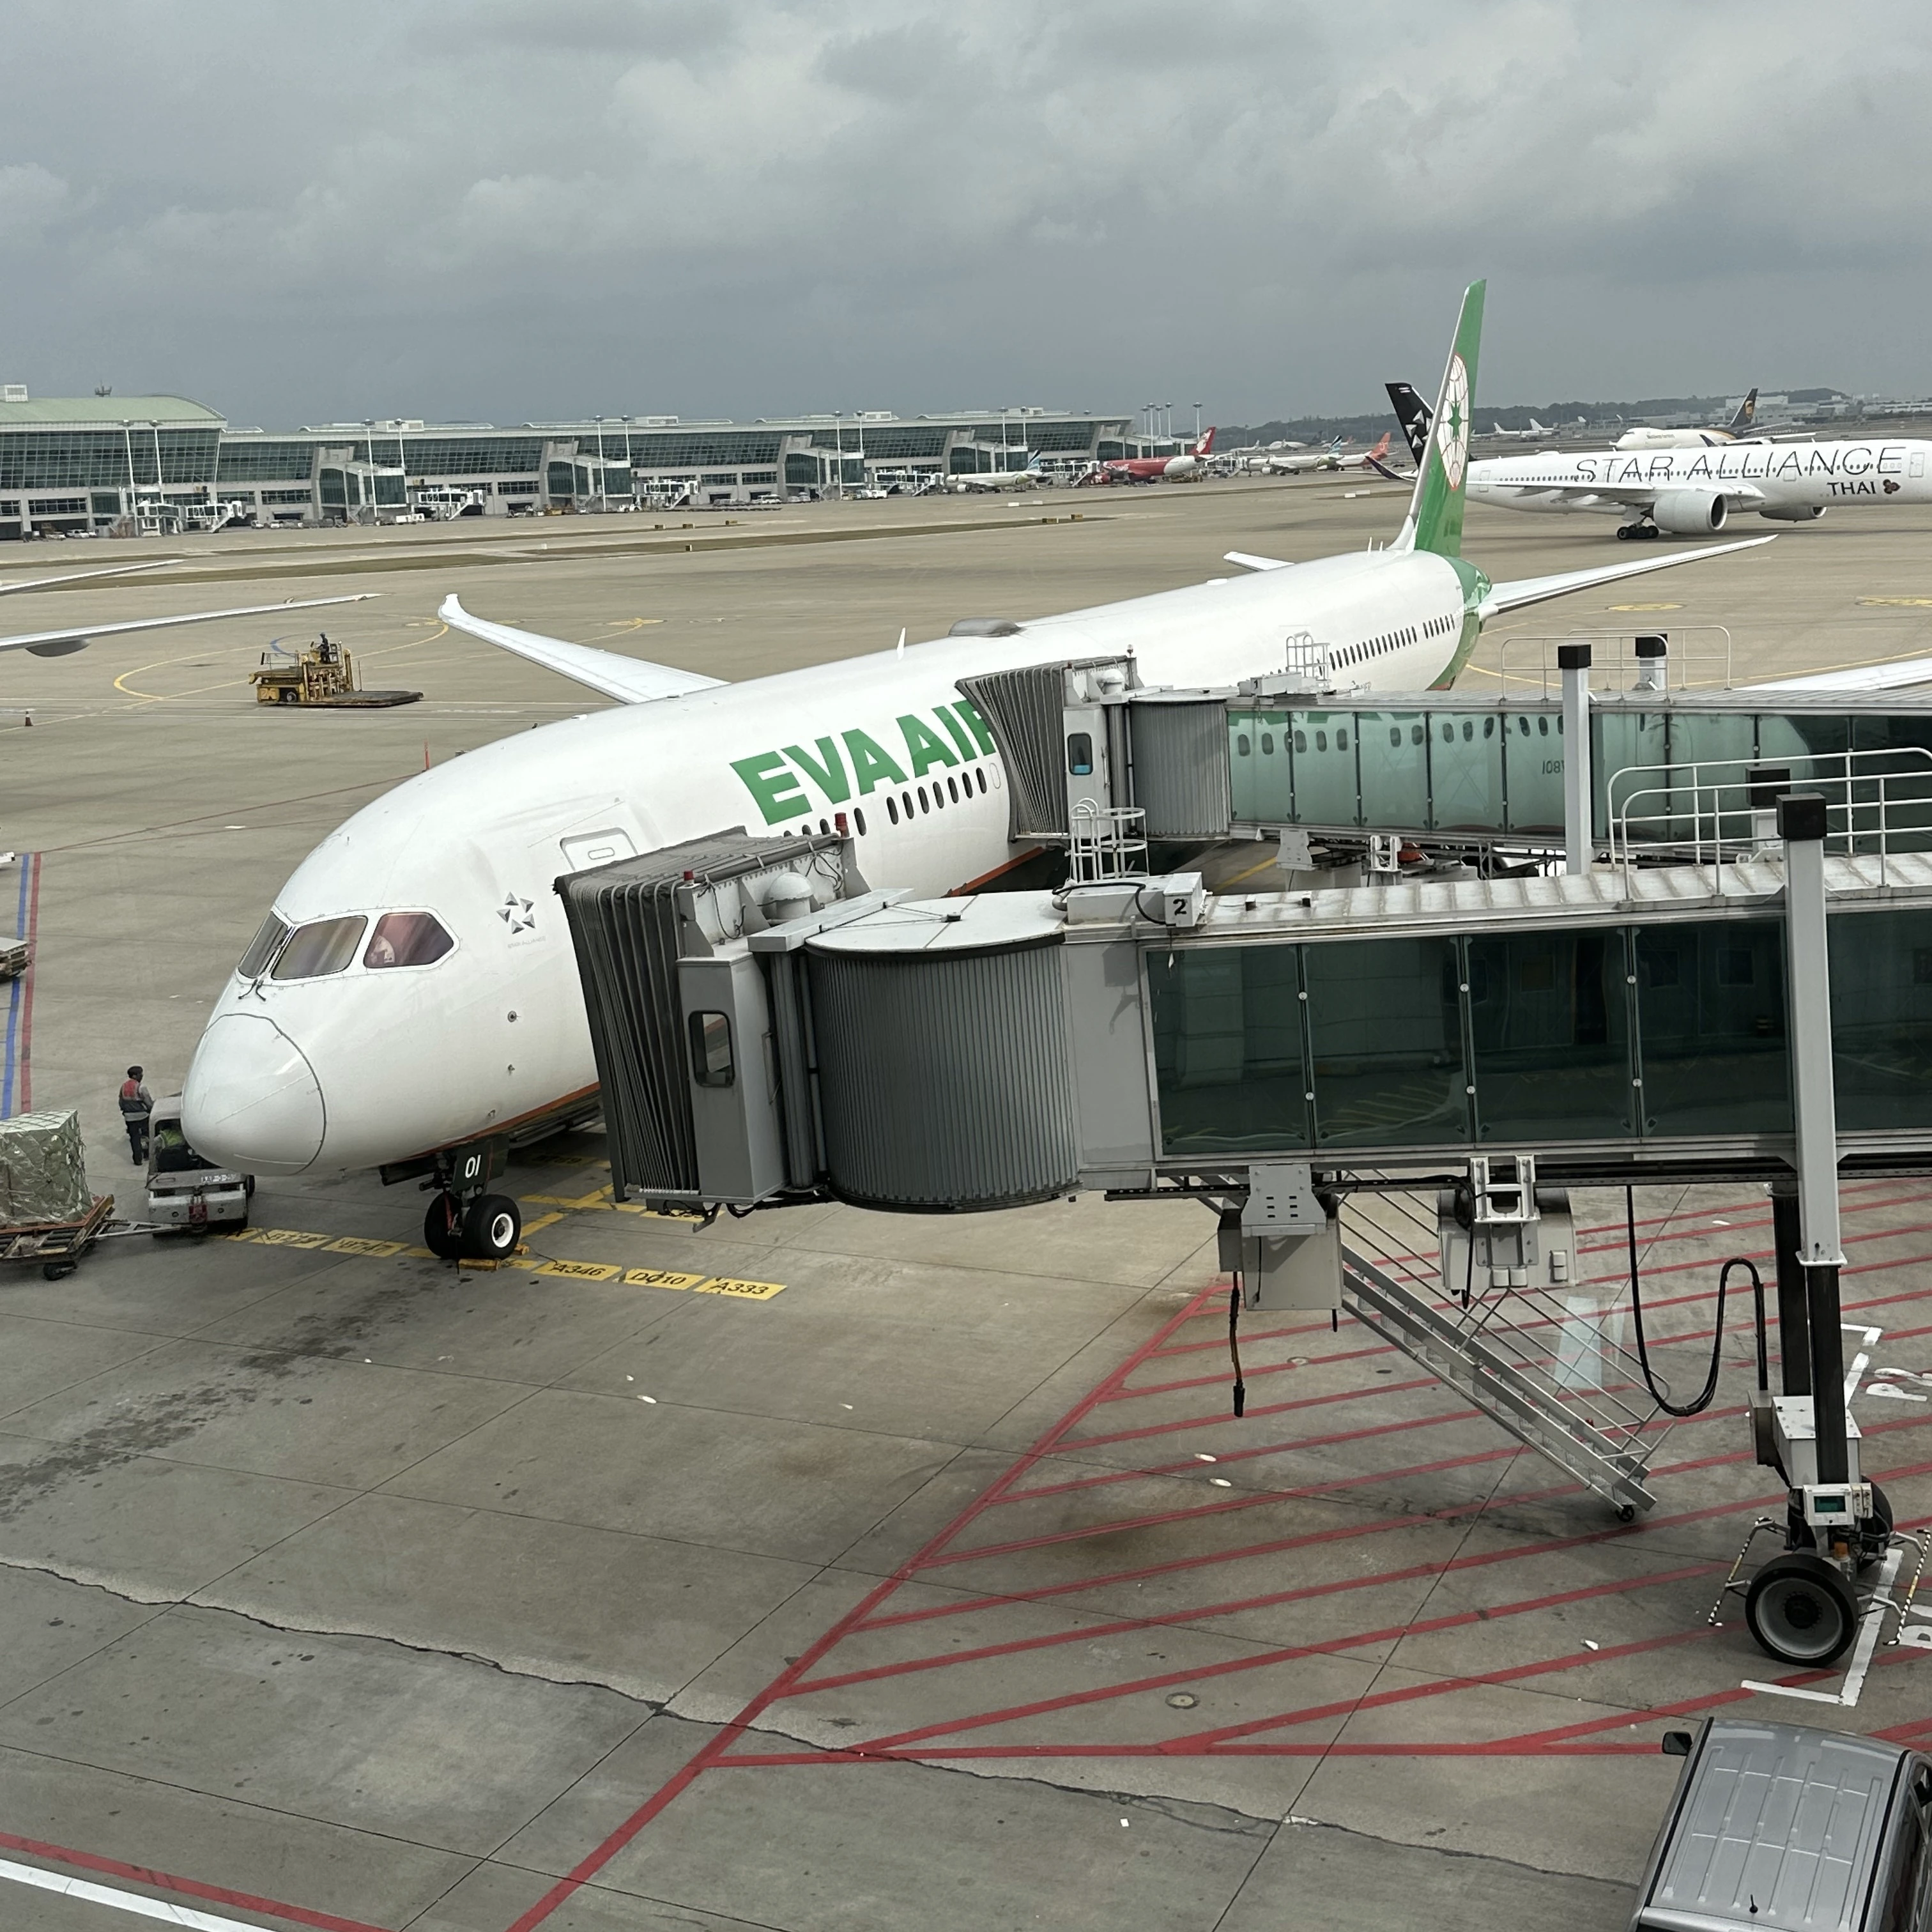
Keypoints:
pixel 136 1104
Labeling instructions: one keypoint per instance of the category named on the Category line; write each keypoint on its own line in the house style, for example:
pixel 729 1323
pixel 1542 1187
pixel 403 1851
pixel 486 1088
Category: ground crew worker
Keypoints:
pixel 137 1104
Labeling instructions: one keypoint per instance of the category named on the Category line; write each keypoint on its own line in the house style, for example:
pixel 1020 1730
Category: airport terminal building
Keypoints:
pixel 154 463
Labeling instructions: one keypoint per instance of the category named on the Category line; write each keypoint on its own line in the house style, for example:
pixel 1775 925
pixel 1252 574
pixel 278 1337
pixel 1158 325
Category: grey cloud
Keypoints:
pixel 745 207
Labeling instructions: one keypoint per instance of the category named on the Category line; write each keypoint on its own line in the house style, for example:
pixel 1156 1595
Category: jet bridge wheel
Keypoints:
pixel 492 1226
pixel 1801 1608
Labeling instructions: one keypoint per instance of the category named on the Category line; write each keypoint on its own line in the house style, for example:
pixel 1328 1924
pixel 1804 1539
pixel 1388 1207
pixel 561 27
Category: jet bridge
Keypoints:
pixel 1462 1051
pixel 1669 770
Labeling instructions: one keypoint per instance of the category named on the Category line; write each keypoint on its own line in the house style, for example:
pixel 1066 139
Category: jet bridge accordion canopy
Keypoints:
pixel 631 923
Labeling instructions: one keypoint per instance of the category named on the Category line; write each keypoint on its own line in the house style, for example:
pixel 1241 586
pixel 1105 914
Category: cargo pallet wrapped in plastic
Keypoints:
pixel 42 1171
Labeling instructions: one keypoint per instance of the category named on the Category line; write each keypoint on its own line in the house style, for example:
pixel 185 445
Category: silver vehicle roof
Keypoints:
pixel 1781 1828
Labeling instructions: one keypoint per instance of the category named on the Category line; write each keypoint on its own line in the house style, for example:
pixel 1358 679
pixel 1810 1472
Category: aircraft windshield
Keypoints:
pixel 406 939
pixel 263 948
pixel 325 945
pixel 172 1152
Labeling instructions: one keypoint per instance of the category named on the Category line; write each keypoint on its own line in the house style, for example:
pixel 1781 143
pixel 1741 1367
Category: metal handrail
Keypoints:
pixel 1853 769
pixel 1676 664
pixel 1105 843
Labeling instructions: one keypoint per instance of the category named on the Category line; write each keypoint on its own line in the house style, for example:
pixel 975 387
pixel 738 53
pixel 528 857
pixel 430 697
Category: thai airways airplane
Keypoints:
pixel 1693 492
pixel 413 989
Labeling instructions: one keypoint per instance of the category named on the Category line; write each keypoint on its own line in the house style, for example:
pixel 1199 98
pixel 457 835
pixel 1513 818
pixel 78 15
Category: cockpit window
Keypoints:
pixel 406 939
pixel 263 948
pixel 324 946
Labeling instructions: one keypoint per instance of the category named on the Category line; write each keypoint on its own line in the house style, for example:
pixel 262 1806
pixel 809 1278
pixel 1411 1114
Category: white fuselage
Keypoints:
pixel 364 1067
pixel 1760 477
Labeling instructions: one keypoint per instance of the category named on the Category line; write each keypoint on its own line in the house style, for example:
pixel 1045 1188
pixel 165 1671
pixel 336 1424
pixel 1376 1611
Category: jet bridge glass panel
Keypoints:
pixel 1549 1025
pixel 1882 1019
pixel 1665 1031
pixel 1710 1002
pixel 1394 763
pixel 1466 772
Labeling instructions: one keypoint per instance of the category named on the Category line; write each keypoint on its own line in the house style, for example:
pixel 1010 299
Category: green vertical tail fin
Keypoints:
pixel 1435 519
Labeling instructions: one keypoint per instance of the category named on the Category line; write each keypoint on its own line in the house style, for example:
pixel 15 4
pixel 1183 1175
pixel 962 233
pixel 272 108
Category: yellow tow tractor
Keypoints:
pixel 324 674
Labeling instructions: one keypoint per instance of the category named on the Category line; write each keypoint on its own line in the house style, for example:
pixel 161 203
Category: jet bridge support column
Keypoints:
pixel 1794 1325
pixel 1574 661
pixel 1801 825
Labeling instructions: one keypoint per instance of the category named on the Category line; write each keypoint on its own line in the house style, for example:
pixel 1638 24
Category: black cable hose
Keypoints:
pixel 1234 1345
pixel 1702 1400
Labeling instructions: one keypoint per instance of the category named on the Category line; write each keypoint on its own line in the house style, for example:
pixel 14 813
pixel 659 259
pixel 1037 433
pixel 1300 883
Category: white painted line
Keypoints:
pixel 1787 1691
pixel 122 1901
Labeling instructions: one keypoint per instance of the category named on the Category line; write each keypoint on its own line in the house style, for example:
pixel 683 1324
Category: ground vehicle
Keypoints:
pixel 323 675
pixel 1781 1825
pixel 184 1190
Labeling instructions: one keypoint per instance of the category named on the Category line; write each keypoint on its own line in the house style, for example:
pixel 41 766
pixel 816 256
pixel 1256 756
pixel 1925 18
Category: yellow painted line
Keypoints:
pixel 541 1221
pixel 660 1278
pixel 368 1248
pixel 743 1290
pixel 1906 603
pixel 1261 866
pixel 598 1197
pixel 1643 606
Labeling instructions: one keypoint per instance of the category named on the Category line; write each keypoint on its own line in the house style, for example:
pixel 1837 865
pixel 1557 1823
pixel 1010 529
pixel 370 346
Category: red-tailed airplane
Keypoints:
pixel 1157 469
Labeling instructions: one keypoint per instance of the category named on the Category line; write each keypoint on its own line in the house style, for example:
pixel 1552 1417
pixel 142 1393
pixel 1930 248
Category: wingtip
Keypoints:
pixel 451 609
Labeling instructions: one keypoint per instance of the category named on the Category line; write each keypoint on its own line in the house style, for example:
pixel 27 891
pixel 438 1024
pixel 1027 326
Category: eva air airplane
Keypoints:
pixel 414 988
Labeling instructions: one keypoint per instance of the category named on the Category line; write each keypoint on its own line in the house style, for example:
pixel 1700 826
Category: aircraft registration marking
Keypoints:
pixel 730 1286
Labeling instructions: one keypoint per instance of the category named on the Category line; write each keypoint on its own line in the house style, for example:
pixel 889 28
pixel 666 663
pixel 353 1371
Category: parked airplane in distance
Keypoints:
pixel 1184 467
pixel 1333 457
pixel 1535 433
pixel 413 992
pixel 999 479
pixel 1693 492
pixel 1740 425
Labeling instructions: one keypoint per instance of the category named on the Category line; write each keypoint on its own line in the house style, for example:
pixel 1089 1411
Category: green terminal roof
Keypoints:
pixel 170 412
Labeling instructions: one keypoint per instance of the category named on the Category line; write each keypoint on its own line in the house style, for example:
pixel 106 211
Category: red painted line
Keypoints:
pixel 1270 1368
pixel 1254 1410
pixel 24 1061
pixel 1225 1506
pixel 1193 1465
pixel 780 1686
pixel 1392 1633
pixel 186 1888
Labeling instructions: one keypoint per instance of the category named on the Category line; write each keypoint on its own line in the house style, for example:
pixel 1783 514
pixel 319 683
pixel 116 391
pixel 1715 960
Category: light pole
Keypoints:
pixel 1197 422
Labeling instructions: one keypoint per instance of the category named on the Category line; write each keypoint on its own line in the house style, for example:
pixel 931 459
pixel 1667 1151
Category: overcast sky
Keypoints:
pixel 532 209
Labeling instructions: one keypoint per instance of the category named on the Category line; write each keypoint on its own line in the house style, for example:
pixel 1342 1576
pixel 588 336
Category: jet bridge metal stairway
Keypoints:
pixel 1583 1408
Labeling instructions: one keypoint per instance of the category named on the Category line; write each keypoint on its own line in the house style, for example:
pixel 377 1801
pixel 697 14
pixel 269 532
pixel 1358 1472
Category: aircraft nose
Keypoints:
pixel 251 1100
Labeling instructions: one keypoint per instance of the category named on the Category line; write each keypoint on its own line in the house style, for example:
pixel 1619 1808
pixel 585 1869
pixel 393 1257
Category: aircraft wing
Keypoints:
pixel 1893 676
pixel 630 680
pixel 1249 561
pixel 75 636
pixel 76 576
pixel 1637 495
pixel 1535 589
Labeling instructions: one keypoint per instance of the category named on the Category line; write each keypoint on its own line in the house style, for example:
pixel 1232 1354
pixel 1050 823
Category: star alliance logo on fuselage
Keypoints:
pixel 517 913
pixel 1452 432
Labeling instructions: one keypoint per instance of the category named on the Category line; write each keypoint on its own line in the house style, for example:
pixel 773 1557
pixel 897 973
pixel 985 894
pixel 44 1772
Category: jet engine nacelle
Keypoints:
pixel 1689 513
pixel 1797 513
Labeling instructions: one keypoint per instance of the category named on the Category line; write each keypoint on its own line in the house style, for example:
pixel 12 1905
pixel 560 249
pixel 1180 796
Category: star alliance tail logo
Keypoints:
pixel 1452 428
